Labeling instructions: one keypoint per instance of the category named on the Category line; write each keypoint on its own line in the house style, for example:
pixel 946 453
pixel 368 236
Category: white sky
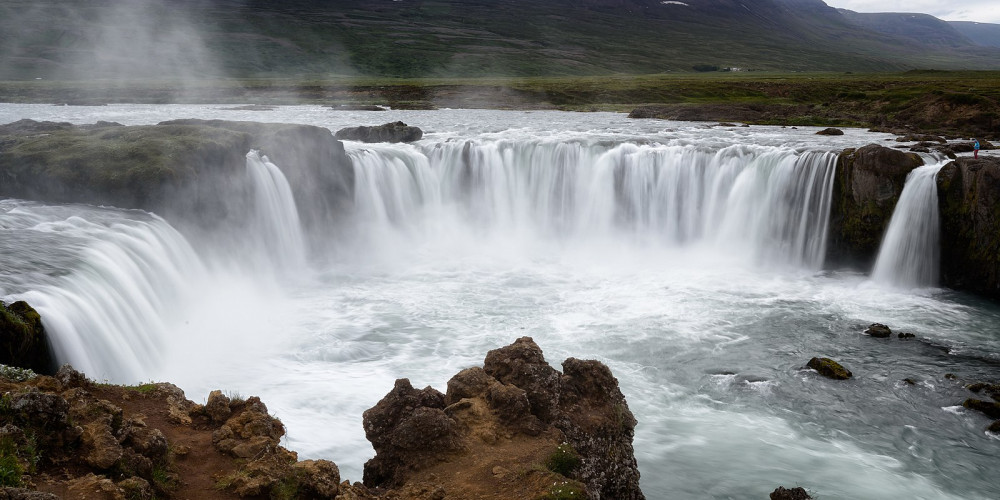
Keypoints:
pixel 984 11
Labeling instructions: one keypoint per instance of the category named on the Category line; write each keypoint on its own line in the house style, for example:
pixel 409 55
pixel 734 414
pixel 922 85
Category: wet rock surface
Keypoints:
pixel 23 341
pixel 867 185
pixel 829 368
pixel 389 132
pixel 968 197
pixel 151 167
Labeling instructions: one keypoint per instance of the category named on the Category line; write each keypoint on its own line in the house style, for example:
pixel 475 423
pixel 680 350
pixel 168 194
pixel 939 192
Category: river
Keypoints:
pixel 687 257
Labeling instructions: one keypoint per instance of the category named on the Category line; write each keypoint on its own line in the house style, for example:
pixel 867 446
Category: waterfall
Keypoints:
pixel 771 204
pixel 275 227
pixel 110 316
pixel 909 254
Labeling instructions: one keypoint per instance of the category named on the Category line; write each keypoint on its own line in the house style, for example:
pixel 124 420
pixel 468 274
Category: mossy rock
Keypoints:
pixel 867 184
pixel 829 368
pixel 23 342
pixel 990 408
pixel 991 390
pixel 878 330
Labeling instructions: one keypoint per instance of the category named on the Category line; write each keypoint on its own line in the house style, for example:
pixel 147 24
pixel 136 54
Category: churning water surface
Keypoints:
pixel 688 258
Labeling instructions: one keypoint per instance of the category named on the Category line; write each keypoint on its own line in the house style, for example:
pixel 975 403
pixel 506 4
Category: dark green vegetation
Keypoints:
pixel 564 460
pixel 961 103
pixel 114 39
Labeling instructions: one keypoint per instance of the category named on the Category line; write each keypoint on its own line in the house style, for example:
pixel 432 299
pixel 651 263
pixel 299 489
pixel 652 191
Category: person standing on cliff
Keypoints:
pixel 975 148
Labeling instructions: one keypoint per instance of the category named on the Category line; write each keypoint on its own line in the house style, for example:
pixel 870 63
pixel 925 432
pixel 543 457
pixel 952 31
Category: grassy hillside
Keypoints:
pixel 194 39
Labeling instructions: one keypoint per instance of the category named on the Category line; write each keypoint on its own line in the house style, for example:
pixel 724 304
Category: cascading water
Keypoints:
pixel 275 224
pixel 111 315
pixel 768 203
pixel 909 254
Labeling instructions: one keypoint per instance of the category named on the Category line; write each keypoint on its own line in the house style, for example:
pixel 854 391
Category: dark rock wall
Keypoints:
pixel 969 198
pixel 867 186
pixel 23 342
pixel 183 169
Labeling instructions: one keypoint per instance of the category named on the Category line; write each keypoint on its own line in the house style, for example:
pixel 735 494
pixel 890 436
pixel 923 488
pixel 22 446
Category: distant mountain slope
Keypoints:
pixel 419 38
pixel 985 34
pixel 920 28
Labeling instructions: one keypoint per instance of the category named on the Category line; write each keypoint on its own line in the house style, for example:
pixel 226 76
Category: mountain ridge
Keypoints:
pixel 60 39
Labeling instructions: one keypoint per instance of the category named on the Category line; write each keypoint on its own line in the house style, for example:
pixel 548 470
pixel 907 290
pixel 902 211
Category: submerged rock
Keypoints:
pixel 389 132
pixel 23 342
pixel 829 368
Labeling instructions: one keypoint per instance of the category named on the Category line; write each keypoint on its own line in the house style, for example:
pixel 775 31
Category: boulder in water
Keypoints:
pixel 797 493
pixel 878 330
pixel 829 368
pixel 389 132
pixel 990 408
pixel 23 342
pixel 830 131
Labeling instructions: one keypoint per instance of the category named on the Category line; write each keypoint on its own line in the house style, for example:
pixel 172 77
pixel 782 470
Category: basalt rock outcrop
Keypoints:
pixel 70 437
pixel 969 201
pixel 23 342
pixel 180 167
pixel 526 423
pixel 868 183
pixel 389 132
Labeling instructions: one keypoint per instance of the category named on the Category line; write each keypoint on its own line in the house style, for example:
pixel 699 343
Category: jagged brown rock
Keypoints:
pixel 517 411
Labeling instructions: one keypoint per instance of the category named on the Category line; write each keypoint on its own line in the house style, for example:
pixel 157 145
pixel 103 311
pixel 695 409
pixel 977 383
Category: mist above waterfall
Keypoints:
pixel 112 40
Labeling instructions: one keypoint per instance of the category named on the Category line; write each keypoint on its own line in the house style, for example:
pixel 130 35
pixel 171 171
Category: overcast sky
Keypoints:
pixel 984 11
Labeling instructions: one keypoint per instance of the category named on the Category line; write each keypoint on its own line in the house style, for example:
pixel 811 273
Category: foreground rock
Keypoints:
pixel 389 132
pixel 867 185
pixel 968 196
pixel 23 342
pixel 180 167
pixel 76 439
pixel 525 427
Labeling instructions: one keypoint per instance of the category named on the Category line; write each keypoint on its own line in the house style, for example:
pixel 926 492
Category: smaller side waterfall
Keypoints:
pixel 276 223
pixel 910 253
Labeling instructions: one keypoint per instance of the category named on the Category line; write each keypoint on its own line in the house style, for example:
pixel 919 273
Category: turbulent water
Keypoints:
pixel 688 258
